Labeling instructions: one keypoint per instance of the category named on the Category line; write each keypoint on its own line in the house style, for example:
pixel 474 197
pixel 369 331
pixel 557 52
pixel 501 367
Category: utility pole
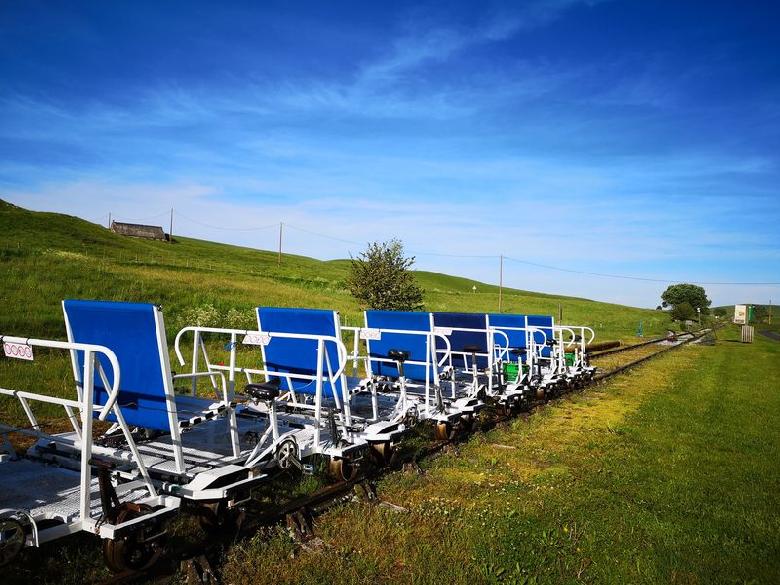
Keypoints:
pixel 770 311
pixel 500 282
pixel 109 220
pixel 170 231
pixel 279 261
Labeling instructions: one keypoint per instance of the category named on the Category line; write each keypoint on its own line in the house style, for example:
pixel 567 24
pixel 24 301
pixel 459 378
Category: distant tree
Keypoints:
pixel 380 278
pixel 659 308
pixel 721 311
pixel 692 294
pixel 683 311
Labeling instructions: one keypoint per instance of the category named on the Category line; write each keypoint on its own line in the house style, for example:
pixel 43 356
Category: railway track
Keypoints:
pixel 633 346
pixel 197 564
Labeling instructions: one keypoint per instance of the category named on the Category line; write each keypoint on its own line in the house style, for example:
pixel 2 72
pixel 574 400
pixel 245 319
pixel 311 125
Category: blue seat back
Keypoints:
pixel 299 356
pixel 460 339
pixel 130 330
pixel 517 339
pixel 416 345
pixel 545 323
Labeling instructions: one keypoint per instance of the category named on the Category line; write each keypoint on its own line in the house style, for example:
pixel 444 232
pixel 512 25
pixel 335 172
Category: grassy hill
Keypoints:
pixel 45 257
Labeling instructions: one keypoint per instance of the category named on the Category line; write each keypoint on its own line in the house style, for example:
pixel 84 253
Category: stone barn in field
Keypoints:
pixel 136 230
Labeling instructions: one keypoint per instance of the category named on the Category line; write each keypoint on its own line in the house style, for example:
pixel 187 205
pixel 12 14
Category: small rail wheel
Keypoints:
pixel 131 552
pixel 11 539
pixel 342 469
pixel 384 453
pixel 504 410
pixel 445 431
pixel 468 423
pixel 216 518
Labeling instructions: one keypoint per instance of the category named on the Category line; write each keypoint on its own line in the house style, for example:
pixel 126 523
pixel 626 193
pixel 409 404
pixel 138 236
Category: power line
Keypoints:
pixel 100 219
pixel 231 229
pixel 416 253
pixel 326 236
pixel 437 254
pixel 640 278
pixel 147 218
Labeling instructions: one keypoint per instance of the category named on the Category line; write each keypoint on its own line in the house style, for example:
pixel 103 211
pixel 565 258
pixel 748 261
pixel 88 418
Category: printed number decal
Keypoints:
pixel 256 338
pixel 19 351
pixel 370 334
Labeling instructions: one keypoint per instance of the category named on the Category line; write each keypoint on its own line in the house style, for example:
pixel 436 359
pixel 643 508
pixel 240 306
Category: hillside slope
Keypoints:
pixel 45 257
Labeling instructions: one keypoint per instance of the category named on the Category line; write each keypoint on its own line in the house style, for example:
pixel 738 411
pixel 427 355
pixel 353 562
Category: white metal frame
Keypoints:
pixel 533 349
pixel 586 336
pixel 170 395
pixel 494 356
pixel 434 406
pixel 86 407
pixel 324 372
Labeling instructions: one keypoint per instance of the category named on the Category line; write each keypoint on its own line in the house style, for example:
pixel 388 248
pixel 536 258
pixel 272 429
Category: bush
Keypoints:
pixel 210 316
pixel 380 278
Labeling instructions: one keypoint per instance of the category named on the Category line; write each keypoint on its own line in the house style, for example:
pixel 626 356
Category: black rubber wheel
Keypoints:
pixel 287 454
pixel 130 552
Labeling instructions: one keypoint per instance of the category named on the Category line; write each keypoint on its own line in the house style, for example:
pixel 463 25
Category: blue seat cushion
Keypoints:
pixel 517 339
pixel 415 345
pixel 130 331
pixel 462 341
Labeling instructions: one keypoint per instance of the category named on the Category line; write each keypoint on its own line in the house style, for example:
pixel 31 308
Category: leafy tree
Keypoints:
pixel 760 313
pixel 683 311
pixel 380 278
pixel 692 294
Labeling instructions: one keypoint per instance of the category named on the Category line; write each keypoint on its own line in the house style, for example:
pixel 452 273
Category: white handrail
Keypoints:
pixel 85 347
pixel 572 334
pixel 342 350
pixel 583 329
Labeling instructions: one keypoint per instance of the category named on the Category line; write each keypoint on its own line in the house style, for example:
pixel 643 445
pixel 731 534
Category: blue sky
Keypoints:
pixel 632 138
